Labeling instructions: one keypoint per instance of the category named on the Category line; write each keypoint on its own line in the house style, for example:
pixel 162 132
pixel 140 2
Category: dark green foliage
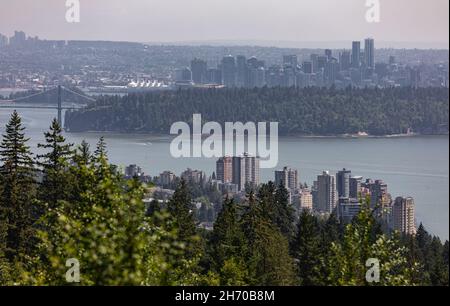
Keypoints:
pixel 284 214
pixel 181 209
pixel 267 250
pixel 307 250
pixel 433 257
pixel 307 111
pixel 17 190
pixel 227 239
pixel 56 181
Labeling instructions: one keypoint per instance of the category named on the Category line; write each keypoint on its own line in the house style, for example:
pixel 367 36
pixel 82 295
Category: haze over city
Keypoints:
pixel 284 23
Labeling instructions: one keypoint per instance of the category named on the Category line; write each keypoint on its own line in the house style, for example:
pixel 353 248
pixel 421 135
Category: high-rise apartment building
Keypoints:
pixel 313 57
pixel 18 40
pixel 183 75
pixel 241 71
pixel 321 62
pixel 331 71
pixel 289 77
pixel 195 176
pixel 356 54
pixel 369 53
pixel 305 200
pixel 379 196
pixel 343 183
pixel 307 66
pixel 224 169
pixel 404 215
pixel 328 54
pixel 355 186
pixel 245 170
pixel 199 69
pixel 347 209
pixel 229 71
pixel 251 169
pixel 214 76
pixel 287 177
pixel 3 41
pixel 238 172
pixel 290 60
pixel 345 60
pixel 326 192
pixel 167 178
pixel 133 170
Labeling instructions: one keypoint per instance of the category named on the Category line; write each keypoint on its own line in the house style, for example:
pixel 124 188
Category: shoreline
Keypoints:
pixel 344 136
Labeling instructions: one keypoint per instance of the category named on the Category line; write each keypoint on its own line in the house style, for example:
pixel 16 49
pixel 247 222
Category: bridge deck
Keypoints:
pixel 39 107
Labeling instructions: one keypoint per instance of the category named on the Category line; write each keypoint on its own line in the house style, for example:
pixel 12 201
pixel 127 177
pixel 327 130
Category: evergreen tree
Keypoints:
pixel 101 154
pixel 17 175
pixel 100 159
pixel 56 181
pixel 307 250
pixel 83 174
pixel 182 211
pixel 227 239
pixel 330 232
pixel 438 268
pixel 445 256
pixel 421 276
pixel 284 216
pixel 266 201
pixel 421 247
pixel 82 154
pixel 268 259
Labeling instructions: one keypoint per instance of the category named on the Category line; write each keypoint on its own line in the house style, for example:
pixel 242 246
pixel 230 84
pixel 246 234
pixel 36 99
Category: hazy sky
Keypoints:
pixel 199 20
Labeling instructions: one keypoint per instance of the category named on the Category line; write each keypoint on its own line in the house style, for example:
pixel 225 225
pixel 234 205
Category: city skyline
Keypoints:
pixel 400 21
pixel 338 192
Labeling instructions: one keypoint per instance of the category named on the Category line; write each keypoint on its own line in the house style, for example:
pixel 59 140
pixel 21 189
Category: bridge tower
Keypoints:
pixel 59 106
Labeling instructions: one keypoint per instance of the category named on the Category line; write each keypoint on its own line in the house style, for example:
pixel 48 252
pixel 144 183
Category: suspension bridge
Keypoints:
pixel 18 103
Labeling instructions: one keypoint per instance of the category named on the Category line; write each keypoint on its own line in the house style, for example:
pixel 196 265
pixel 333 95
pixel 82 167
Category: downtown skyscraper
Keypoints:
pixel 199 69
pixel 369 53
pixel 229 71
pixel 356 54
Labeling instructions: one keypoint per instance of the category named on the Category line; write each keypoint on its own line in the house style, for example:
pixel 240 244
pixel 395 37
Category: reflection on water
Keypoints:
pixel 411 166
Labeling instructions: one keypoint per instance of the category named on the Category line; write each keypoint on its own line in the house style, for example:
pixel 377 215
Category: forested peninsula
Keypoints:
pixel 308 111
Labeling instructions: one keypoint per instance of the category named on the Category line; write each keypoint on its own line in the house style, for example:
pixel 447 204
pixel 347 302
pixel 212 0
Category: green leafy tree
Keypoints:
pixel 115 243
pixel 233 273
pixel 360 243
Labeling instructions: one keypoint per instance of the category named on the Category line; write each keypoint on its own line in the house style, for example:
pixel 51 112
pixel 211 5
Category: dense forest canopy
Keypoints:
pixel 307 111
